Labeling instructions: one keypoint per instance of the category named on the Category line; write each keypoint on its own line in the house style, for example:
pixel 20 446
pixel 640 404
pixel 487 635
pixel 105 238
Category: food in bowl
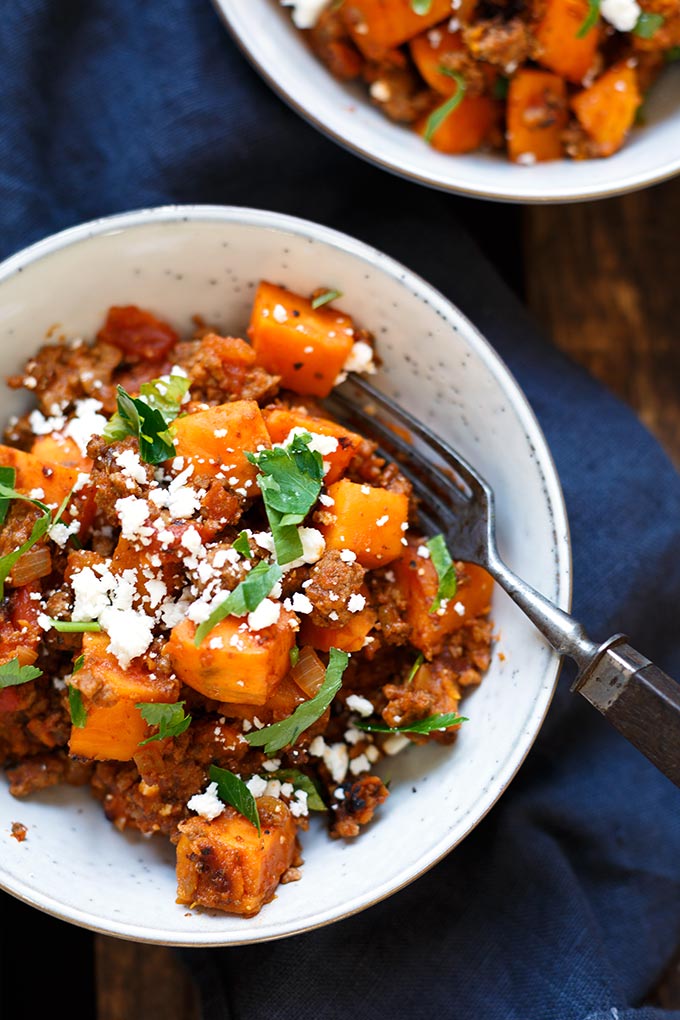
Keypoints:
pixel 542 81
pixel 218 611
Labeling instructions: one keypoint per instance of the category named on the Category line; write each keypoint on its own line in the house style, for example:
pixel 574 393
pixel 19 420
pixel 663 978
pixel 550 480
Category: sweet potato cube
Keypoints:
pixel 562 49
pixel 417 579
pixel 216 441
pixel 33 474
pixel 380 25
pixel 225 865
pixel 536 115
pixel 307 347
pixel 607 109
pixel 233 663
pixel 368 521
pixel 466 127
pixel 114 726
pixel 280 421
pixel 349 638
pixel 61 450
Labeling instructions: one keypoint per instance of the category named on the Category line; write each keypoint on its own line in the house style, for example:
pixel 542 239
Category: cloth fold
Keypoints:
pixel 564 903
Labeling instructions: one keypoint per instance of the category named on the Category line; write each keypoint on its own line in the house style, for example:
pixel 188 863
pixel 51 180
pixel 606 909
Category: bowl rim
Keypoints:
pixel 246 216
pixel 563 196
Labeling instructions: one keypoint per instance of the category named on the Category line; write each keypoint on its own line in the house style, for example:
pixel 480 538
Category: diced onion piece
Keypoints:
pixel 309 672
pixel 35 563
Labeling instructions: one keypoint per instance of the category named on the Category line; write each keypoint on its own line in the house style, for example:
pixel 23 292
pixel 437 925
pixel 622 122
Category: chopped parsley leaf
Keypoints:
pixel 431 724
pixel 590 19
pixel 12 674
pixel 76 707
pixel 242 546
pixel 446 572
pixel 170 719
pixel 438 116
pixel 232 790
pixel 245 597
pixel 323 299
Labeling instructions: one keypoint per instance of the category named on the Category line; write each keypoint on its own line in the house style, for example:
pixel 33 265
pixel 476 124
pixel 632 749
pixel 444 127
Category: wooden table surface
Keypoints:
pixel 601 278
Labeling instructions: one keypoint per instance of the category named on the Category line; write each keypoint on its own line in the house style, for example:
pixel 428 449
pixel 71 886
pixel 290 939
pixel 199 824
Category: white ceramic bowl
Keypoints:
pixel 182 261
pixel 344 112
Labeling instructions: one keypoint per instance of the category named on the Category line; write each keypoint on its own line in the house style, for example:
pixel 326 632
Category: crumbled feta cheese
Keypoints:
pixel 395 743
pixel 42 426
pixel 318 443
pixel 382 521
pixel 280 313
pixel 86 423
pixel 60 533
pixel 326 500
pixel 265 615
pixel 131 465
pixel 305 15
pixel 356 602
pixel 622 14
pixel 356 703
pixel 132 513
pixel 298 806
pixel 265 540
pixel 459 608
pixel 360 359
pixel 317 747
pixel 526 158
pixel 380 91
pixel 37 494
pixel 130 633
pixel 206 804
pixel 347 556
pixel 299 603
pixel 272 764
pixel 423 552
pixel 359 764
pixel 257 786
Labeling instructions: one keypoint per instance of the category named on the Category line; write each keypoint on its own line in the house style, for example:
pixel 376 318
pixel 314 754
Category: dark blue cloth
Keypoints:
pixel 564 903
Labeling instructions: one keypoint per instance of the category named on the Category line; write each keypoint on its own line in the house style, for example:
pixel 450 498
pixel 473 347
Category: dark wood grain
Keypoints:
pixel 142 981
pixel 603 279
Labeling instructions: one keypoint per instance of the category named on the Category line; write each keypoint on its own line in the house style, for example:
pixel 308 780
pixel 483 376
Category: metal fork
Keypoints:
pixel 640 700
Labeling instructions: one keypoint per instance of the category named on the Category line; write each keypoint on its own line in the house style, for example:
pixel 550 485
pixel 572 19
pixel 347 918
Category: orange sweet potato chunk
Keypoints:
pixel 466 127
pixel 368 521
pixel 536 115
pixel 280 421
pixel 58 449
pixel 32 473
pixel 349 638
pixel 427 50
pixel 306 347
pixel 225 865
pixel 233 663
pixel 380 25
pixel 114 726
pixel 216 441
pixel 562 50
pixel 607 109
pixel 417 579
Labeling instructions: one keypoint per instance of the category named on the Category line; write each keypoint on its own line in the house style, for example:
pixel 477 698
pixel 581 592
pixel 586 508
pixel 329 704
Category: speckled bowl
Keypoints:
pixel 184 261
pixel 344 112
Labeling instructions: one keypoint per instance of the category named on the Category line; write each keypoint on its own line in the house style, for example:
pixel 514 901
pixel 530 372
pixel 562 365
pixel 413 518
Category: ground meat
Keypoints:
pixel 128 803
pixel 399 91
pixel 505 44
pixel 32 717
pixel 45 770
pixel 219 507
pixel 66 372
pixel 222 369
pixel 361 800
pixel 390 601
pixel 332 583
pixel 475 74
pixel 333 44
pixel 369 468
pixel 108 479
pixel 19 831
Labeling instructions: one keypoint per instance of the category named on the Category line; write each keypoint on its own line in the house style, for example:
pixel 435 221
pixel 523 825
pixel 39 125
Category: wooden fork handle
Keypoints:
pixel 638 699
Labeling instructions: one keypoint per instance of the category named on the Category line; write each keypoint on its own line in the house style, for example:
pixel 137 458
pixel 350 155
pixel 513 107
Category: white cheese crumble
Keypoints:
pixel 622 14
pixel 305 13
pixel 423 552
pixel 318 443
pixel 356 703
pixel 207 804
pixel 266 615
pixel 280 313
pixel 299 603
pixel 130 633
pixel 86 423
pixel 359 764
pixel 60 533
pixel 257 786
pixel 132 513
pixel 360 359
pixel 347 556
pixel 395 743
pixel 336 760
pixel 459 608
pixel 356 603
pixel 131 466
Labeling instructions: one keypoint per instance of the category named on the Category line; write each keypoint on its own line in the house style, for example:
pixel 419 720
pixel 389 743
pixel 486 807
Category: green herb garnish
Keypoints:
pixel 38 531
pixel 12 674
pixel 242 546
pixel 500 87
pixel 245 597
pixel 170 719
pixel 76 626
pixel 78 665
pixel 290 481
pixel 323 299
pixel 285 732
pixel 429 725
pixel 446 572
pixel 136 417
pixel 421 6
pixel 166 395
pixel 301 781
pixel 234 791
pixel 414 668
pixel 672 54
pixel 294 655
pixel 8 480
pixel 590 19
pixel 648 24
pixel 76 707
pixel 438 116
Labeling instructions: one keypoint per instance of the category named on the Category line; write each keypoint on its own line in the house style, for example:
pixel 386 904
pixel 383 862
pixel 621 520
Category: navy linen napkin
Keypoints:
pixel 564 903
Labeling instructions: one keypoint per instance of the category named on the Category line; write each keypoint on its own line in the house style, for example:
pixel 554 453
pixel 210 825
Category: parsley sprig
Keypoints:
pixel 285 732
pixel 232 790
pixel 301 781
pixel 648 24
pixel 148 416
pixel 170 719
pixel 76 707
pixel 12 674
pixel 446 571
pixel 290 479
pixel 421 6
pixel 245 597
pixel 438 116
pixel 431 724
pixel 324 299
